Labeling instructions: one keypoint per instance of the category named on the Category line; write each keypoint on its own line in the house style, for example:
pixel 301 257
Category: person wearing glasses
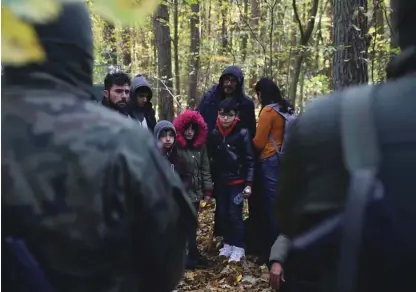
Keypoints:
pixel 230 85
pixel 231 151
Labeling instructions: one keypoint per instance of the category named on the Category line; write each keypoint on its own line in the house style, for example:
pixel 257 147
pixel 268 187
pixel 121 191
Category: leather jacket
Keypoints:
pixel 231 156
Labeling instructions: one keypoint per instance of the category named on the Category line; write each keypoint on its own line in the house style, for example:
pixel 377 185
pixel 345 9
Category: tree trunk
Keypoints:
pixel 244 36
pixel 193 95
pixel 351 42
pixel 329 55
pixel 394 36
pixel 155 65
pixel 164 56
pixel 176 45
pixel 305 36
pixel 126 48
pixel 224 32
pixel 378 52
pixel 255 14
pixel 109 39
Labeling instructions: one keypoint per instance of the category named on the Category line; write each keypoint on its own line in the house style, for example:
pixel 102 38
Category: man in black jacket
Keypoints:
pixel 230 85
pixel 314 179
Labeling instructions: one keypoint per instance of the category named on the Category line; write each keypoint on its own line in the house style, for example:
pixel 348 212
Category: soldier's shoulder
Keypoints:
pixel 102 124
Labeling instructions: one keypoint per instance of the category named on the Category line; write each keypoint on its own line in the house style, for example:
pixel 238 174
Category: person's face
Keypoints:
pixel 167 138
pixel 142 98
pixel 229 84
pixel 189 133
pixel 227 118
pixel 118 95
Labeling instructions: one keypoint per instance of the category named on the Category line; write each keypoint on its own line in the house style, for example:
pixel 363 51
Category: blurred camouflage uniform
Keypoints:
pixel 85 187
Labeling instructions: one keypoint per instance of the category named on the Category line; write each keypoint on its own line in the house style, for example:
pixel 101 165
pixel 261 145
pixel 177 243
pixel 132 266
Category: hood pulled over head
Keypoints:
pixel 237 73
pixel 68 45
pixel 183 121
pixel 139 82
pixel 163 126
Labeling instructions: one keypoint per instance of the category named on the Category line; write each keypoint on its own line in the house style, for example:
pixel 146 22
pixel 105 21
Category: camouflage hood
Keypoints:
pixel 68 45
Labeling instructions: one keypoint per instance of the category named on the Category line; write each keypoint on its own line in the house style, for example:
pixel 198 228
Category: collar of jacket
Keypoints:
pixel 226 132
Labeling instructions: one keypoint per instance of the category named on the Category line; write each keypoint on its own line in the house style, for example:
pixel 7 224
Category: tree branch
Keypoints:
pixel 311 22
pixel 295 9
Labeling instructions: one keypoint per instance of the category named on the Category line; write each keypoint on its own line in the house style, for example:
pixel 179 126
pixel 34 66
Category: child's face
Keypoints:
pixel 167 138
pixel 227 118
pixel 189 133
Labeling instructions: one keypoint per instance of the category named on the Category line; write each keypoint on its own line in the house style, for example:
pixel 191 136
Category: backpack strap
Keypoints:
pixel 274 143
pixel 276 108
pixel 362 159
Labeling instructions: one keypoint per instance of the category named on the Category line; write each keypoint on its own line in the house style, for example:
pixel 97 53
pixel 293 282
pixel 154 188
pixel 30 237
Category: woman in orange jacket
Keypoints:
pixel 268 141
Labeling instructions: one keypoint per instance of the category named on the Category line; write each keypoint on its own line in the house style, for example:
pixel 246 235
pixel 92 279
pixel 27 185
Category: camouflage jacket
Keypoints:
pixel 90 194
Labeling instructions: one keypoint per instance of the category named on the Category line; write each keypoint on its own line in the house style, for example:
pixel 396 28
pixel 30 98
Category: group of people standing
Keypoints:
pixel 91 203
pixel 218 151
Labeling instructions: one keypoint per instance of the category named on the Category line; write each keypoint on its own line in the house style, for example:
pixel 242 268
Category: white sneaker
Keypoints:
pixel 237 254
pixel 226 250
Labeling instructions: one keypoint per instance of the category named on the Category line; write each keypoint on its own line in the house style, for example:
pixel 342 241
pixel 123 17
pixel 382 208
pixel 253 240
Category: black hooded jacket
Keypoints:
pixel 147 112
pixel 208 107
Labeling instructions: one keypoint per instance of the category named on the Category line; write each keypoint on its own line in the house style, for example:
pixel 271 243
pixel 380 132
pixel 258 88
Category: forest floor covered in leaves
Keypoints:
pixel 221 276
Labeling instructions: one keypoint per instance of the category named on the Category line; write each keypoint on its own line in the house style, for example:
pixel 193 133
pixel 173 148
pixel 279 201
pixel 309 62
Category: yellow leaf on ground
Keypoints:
pixel 238 278
pixel 19 41
pixel 125 12
pixel 203 204
pixel 37 11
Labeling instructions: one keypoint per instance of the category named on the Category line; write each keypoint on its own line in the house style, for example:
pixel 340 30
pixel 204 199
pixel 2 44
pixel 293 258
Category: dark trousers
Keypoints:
pixel 270 176
pixel 230 215
pixel 193 252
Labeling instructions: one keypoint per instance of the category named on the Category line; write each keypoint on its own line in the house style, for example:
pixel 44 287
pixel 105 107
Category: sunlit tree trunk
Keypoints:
pixel 164 57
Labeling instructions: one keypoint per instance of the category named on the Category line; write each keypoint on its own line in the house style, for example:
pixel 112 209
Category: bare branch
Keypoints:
pixel 176 98
pixel 311 23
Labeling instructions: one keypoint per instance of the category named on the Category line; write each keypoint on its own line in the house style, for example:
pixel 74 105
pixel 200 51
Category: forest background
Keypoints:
pixel 309 47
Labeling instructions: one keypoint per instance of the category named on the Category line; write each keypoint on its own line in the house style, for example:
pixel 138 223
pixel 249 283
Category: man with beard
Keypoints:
pixel 117 92
pixel 230 85
pixel 84 189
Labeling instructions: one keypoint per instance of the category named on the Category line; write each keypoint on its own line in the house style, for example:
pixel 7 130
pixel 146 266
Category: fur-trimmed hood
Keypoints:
pixel 184 119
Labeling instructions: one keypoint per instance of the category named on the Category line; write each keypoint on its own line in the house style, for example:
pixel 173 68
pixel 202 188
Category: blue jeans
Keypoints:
pixel 270 176
pixel 231 215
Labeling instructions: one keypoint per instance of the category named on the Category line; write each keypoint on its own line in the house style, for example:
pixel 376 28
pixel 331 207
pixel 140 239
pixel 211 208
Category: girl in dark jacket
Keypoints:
pixel 191 135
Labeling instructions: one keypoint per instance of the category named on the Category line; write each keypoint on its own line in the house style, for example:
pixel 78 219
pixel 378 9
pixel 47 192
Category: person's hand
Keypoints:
pixel 276 276
pixel 247 192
